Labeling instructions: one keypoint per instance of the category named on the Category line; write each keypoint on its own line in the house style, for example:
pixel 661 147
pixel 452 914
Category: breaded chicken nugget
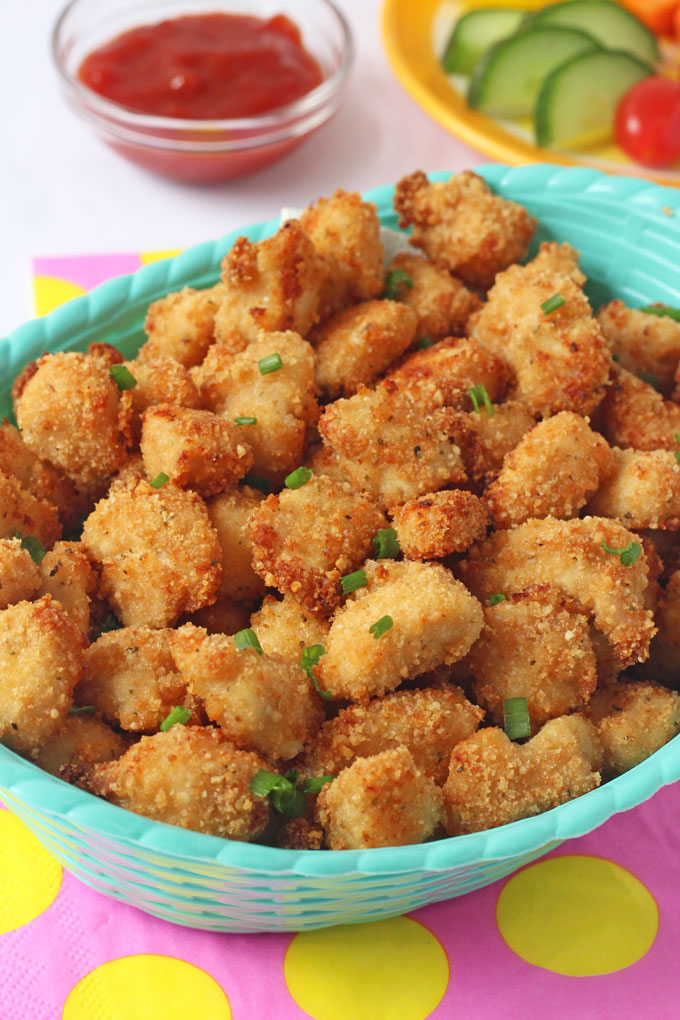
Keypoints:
pixel 552 471
pixel 357 344
pixel 445 373
pixel 642 343
pixel 383 800
pixel 391 446
pixel 281 399
pixel 196 449
pixel 80 742
pixel 162 380
pixel 131 677
pixel 499 433
pixel 181 325
pixel 440 523
pixel 665 650
pixel 41 656
pixel 633 414
pixel 261 703
pixel 460 224
pixel 306 539
pixel 323 460
pixel 428 723
pixel 569 554
pixel 434 621
pixel 158 553
pixel 23 513
pixel 632 721
pixel 222 617
pixel 66 574
pixel 229 513
pixel 285 628
pixel 72 413
pixel 442 303
pixel 493 781
pixel 642 490
pixel 41 479
pixel 19 577
pixel 535 645
pixel 190 776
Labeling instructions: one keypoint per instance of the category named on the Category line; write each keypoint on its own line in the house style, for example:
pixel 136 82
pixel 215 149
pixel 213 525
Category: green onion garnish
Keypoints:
pixel 160 480
pixel 650 379
pixel 177 715
pixel 33 546
pixel 245 421
pixel 662 311
pixel 257 482
pixel 424 343
pixel 247 639
pixel 123 377
pixel 516 721
pixel 350 582
pixel 552 304
pixel 627 554
pixel 380 626
pixel 282 791
pixel 272 363
pixel 479 396
pixel 110 623
pixel 386 544
pixel 493 600
pixel 395 279
pixel 296 479
pixel 82 709
pixel 309 659
pixel 314 783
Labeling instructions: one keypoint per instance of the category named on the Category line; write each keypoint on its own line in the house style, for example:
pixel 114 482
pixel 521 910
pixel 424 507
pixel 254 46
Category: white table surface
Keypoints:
pixel 64 192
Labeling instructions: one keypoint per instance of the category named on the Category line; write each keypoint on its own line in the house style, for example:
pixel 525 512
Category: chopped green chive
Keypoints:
pixel 315 783
pixel 284 792
pixel 493 600
pixel 82 709
pixel 479 396
pixel 650 379
pixel 160 480
pixel 516 721
pixel 33 546
pixel 386 544
pixel 123 377
pixel 381 626
pixel 309 659
pixel 395 280
pixel 177 715
pixel 627 554
pixel 552 304
pixel 110 623
pixel 272 363
pixel 296 479
pixel 247 639
pixel 350 582
pixel 245 421
pixel 257 482
pixel 662 311
pixel 424 343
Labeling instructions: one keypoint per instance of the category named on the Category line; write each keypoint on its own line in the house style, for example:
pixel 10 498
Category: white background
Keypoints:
pixel 63 192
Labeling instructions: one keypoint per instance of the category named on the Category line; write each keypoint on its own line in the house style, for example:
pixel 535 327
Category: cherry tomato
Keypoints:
pixel 647 124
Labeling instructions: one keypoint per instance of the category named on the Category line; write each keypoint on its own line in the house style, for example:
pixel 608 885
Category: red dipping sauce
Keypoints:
pixel 204 67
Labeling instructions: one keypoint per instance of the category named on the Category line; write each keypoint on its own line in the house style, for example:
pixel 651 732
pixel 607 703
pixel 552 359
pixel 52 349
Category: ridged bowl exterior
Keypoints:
pixel 628 234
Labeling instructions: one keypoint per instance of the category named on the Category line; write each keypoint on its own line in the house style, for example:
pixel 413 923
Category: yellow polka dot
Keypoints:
pixel 144 986
pixel 29 877
pixel 355 970
pixel 577 915
pixel 155 256
pixel 49 292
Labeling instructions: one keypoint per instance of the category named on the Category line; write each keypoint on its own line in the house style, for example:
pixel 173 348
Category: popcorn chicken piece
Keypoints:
pixel 197 449
pixel 632 721
pixel 181 325
pixel 41 654
pixel 392 447
pixel 190 776
pixel 440 523
pixel 38 477
pixel 19 577
pixel 229 513
pixel 534 645
pixel 569 554
pixel 633 414
pixel 442 303
pixel 261 703
pixel 552 471
pixel 493 781
pixel 80 742
pixel 383 800
pixel 306 539
pixel 158 553
pixel 72 413
pixel 642 343
pixel 561 359
pixel 131 677
pixel 357 344
pixel 21 512
pixel 665 649
pixel 498 434
pixel 324 460
pixel 285 628
pixel 67 575
pixel 162 380
pixel 435 622
pixel 444 373
pixel 222 617
pixel 461 225
pixel 282 401
pixel 428 723
pixel 642 491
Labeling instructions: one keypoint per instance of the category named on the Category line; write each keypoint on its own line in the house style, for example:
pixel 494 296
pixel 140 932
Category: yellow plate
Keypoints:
pixel 415 33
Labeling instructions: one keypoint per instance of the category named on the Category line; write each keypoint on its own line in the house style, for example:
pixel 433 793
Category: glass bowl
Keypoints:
pixel 202 150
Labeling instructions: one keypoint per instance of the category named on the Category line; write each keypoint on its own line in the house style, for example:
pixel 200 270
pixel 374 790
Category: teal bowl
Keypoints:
pixel 628 233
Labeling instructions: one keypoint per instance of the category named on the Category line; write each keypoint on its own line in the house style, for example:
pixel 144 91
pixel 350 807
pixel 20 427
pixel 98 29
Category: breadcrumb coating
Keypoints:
pixel 633 414
pixel 23 513
pixel 38 477
pixel 181 325
pixel 442 303
pixel 642 343
pixel 66 574
pixel 162 380
pixel 665 649
pixel 80 742
pixel 462 225
pixel 383 800
pixel 285 628
pixel 632 721
pixel 19 577
pixel 443 375
pixel 440 523
pixel 642 490
pixel 229 514
pixel 499 433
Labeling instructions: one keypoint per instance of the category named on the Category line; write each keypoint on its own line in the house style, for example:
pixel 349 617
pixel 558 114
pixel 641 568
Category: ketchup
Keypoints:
pixel 204 67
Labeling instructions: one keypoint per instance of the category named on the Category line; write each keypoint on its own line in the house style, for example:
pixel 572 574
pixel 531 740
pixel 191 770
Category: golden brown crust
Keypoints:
pixel 66 574
pixel 642 490
pixel 285 628
pixel 80 742
pixel 23 513
pixel 41 479
pixel 162 380
pixel 443 374
pixel 19 577
pixel 633 414
pixel 440 523
pixel 229 514
pixel 642 343
pixel 181 325
pixel 632 721
pixel 442 303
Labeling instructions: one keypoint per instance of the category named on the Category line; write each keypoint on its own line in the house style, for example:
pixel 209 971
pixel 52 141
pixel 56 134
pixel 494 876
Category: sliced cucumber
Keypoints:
pixel 507 79
pixel 474 33
pixel 577 101
pixel 612 25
